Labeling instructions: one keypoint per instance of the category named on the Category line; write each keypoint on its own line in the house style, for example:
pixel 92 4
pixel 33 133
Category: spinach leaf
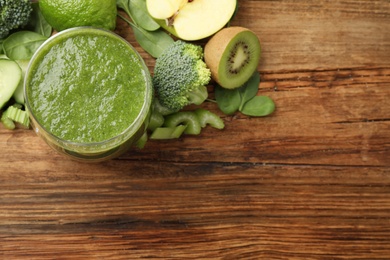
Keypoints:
pixel 228 100
pixel 37 22
pixel 249 89
pixel 152 42
pixel 259 106
pixel 22 45
pixel 140 15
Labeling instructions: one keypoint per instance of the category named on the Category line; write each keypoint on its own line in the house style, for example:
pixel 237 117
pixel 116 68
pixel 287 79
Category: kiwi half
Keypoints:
pixel 232 56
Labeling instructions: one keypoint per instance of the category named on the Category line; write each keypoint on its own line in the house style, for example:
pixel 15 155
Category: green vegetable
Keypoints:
pixel 15 114
pixel 14 14
pixel 153 42
pixel 137 11
pixel 250 89
pixel 228 100
pixel 186 118
pixel 19 91
pixel 10 76
pixel 180 76
pixel 8 123
pixel 22 45
pixel 161 109
pixel 140 144
pixel 38 23
pixel 259 106
pixel 162 133
pixel 206 117
pixel 244 99
pixel 156 120
pixel 147 32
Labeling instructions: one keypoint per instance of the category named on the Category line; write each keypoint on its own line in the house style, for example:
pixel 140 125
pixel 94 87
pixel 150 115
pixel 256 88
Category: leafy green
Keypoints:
pixel 23 44
pixel 259 106
pixel 228 100
pixel 38 23
pixel 249 90
pixel 153 42
pixel 244 99
pixel 140 15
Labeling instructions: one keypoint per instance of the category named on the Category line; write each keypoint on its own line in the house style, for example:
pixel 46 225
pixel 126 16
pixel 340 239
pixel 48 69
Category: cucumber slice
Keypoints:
pixel 19 92
pixel 10 76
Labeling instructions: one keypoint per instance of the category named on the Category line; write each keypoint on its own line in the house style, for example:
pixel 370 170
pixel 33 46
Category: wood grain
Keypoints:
pixel 312 181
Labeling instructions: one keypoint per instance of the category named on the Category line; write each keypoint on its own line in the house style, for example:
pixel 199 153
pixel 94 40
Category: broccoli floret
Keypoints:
pixel 180 76
pixel 14 14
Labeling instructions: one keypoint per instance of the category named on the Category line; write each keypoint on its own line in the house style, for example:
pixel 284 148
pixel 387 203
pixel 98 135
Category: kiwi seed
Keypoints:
pixel 233 56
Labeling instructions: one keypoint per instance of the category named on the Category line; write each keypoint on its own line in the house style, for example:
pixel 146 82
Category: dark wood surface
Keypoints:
pixel 312 181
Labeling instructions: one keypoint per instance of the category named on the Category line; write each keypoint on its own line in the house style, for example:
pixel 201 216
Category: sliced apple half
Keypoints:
pixel 192 19
pixel 163 9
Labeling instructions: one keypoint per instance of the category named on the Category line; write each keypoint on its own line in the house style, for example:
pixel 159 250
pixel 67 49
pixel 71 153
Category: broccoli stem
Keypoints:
pixel 162 109
pixel 206 117
pixel 186 118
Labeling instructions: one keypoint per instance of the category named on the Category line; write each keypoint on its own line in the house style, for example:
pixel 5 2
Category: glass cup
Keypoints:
pixel 79 150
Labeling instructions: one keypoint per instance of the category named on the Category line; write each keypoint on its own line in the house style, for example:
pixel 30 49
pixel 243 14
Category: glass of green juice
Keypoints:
pixel 88 93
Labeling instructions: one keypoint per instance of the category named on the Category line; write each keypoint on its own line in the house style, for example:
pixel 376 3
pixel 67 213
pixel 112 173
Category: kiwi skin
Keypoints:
pixel 217 53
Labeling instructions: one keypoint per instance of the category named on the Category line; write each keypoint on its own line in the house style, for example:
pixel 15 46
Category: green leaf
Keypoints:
pixel 140 15
pixel 152 42
pixel 38 23
pixel 259 106
pixel 23 44
pixel 250 89
pixel 123 4
pixel 228 100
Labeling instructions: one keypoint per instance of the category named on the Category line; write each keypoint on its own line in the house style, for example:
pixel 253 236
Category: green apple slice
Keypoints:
pixel 164 9
pixel 196 19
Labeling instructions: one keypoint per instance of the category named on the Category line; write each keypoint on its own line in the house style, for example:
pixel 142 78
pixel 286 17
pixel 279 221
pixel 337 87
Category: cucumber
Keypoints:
pixel 10 76
pixel 19 92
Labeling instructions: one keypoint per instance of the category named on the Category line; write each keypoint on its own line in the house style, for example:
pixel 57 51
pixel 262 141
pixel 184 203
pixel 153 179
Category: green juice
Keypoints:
pixel 88 92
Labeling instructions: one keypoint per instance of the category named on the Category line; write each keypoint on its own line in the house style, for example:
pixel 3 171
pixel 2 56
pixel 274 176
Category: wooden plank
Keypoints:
pixel 196 211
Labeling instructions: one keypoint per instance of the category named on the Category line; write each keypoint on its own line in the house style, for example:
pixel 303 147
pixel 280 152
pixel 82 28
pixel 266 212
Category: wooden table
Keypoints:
pixel 312 181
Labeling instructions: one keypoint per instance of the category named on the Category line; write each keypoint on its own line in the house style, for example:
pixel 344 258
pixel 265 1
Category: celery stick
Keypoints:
pixel 16 115
pixel 187 118
pixel 208 118
pixel 162 133
pixel 140 144
pixel 8 123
